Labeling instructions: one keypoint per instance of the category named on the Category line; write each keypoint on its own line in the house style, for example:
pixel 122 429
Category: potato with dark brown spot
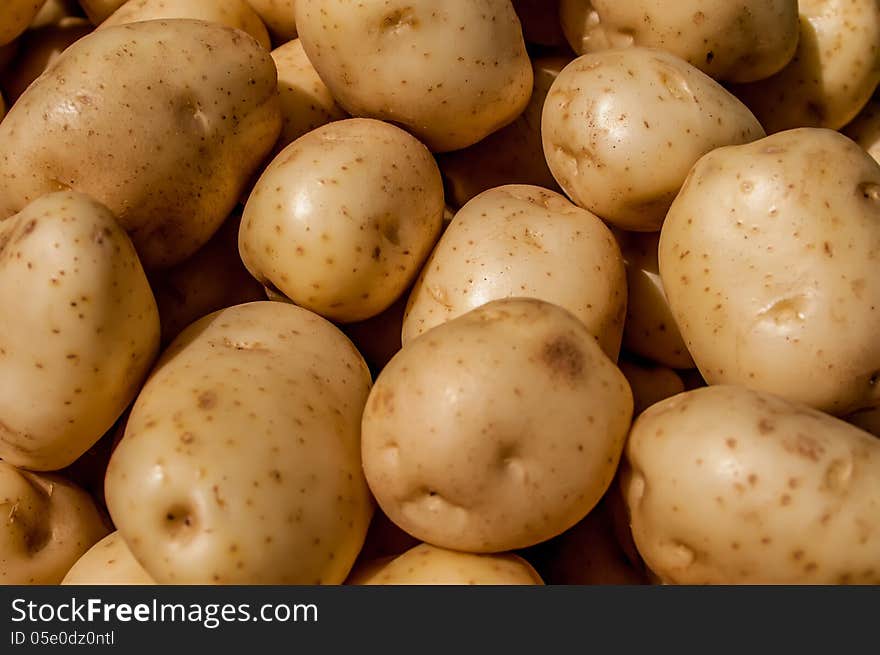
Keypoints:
pixel 15 16
pixel 167 142
pixel 523 241
pixel 731 486
pixel 521 421
pixel 650 384
pixel 241 461
pixel 767 256
pixel 279 16
pixel 47 524
pixel 108 562
pixel 82 335
pixel 622 128
pixel 865 129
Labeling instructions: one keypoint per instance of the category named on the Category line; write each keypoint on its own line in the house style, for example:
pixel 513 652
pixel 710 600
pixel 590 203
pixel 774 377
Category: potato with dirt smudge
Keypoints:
pixel 522 420
pixel 83 334
pixel 108 562
pixel 240 462
pixel 730 486
pixel 766 258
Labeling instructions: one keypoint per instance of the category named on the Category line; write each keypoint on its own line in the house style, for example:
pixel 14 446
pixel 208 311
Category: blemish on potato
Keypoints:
pixel 563 357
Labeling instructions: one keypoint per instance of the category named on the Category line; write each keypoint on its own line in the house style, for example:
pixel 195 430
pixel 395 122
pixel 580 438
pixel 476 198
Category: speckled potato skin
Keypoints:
pixel 108 562
pixel 730 40
pixel 865 129
pixel 279 16
pixel 731 486
pixel 237 14
pixel 766 258
pixel 450 74
pixel 306 102
pixel 15 16
pixel 650 330
pixel 47 524
pixel 167 143
pixel 429 565
pixel 342 219
pixel 99 10
pixel 650 384
pixel 522 420
pixel 240 462
pixel 833 74
pixel 523 241
pixel 622 128
pixel 81 333
pixel 512 155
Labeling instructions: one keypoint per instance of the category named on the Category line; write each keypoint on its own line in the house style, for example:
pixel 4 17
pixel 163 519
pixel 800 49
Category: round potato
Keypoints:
pixel 731 486
pixel 622 128
pixel 523 241
pixel 512 155
pixel 833 74
pixel 47 524
pixel 166 142
pixel 279 16
pixel 650 330
pixel 429 565
pixel 15 16
pixel 730 40
pixel 766 258
pixel 522 420
pixel 650 384
pixel 343 218
pixel 82 335
pixel 99 10
pixel 306 102
pixel 237 14
pixel 540 21
pixel 865 129
pixel 108 562
pixel 240 462
pixel 451 77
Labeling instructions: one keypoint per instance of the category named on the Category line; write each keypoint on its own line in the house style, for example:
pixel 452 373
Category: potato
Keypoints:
pixel 240 462
pixel 108 562
pixel 868 420
pixel 865 129
pixel 279 16
pixel 650 330
pixel 212 279
pixel 766 258
pixel 540 21
pixel 521 421
pixel 650 384
pixel 47 524
pixel 82 334
pixel 735 41
pixel 38 51
pixel 99 10
pixel 54 12
pixel 166 142
pixel 622 128
pixel 833 74
pixel 237 14
pixel 15 16
pixel 732 486
pixel 512 155
pixel 451 77
pixel 523 241
pixel 429 565
pixel 306 102
pixel 343 218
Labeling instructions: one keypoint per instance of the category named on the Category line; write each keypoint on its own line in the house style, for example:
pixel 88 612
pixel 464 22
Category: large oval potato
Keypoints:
pixel 15 16
pixel 237 14
pixel 622 128
pixel 766 258
pixel 450 75
pixel 731 40
pixel 731 486
pixel 833 74
pixel 522 420
pixel 342 219
pixel 865 129
pixel 523 241
pixel 108 562
pixel 81 333
pixel 47 524
pixel 167 142
pixel 99 10
pixel 279 16
pixel 241 462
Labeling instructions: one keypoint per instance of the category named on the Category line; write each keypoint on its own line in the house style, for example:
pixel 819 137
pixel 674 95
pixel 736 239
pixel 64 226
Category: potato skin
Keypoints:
pixel 15 16
pixel 173 160
pixel 731 486
pixel 522 240
pixel 394 60
pixel 279 16
pixel 240 462
pixel 83 334
pixel 764 258
pixel 108 562
pixel 99 10
pixel 522 418
pixel 48 523
pixel 622 128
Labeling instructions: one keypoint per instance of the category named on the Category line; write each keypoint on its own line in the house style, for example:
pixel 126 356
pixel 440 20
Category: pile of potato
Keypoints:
pixel 462 292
